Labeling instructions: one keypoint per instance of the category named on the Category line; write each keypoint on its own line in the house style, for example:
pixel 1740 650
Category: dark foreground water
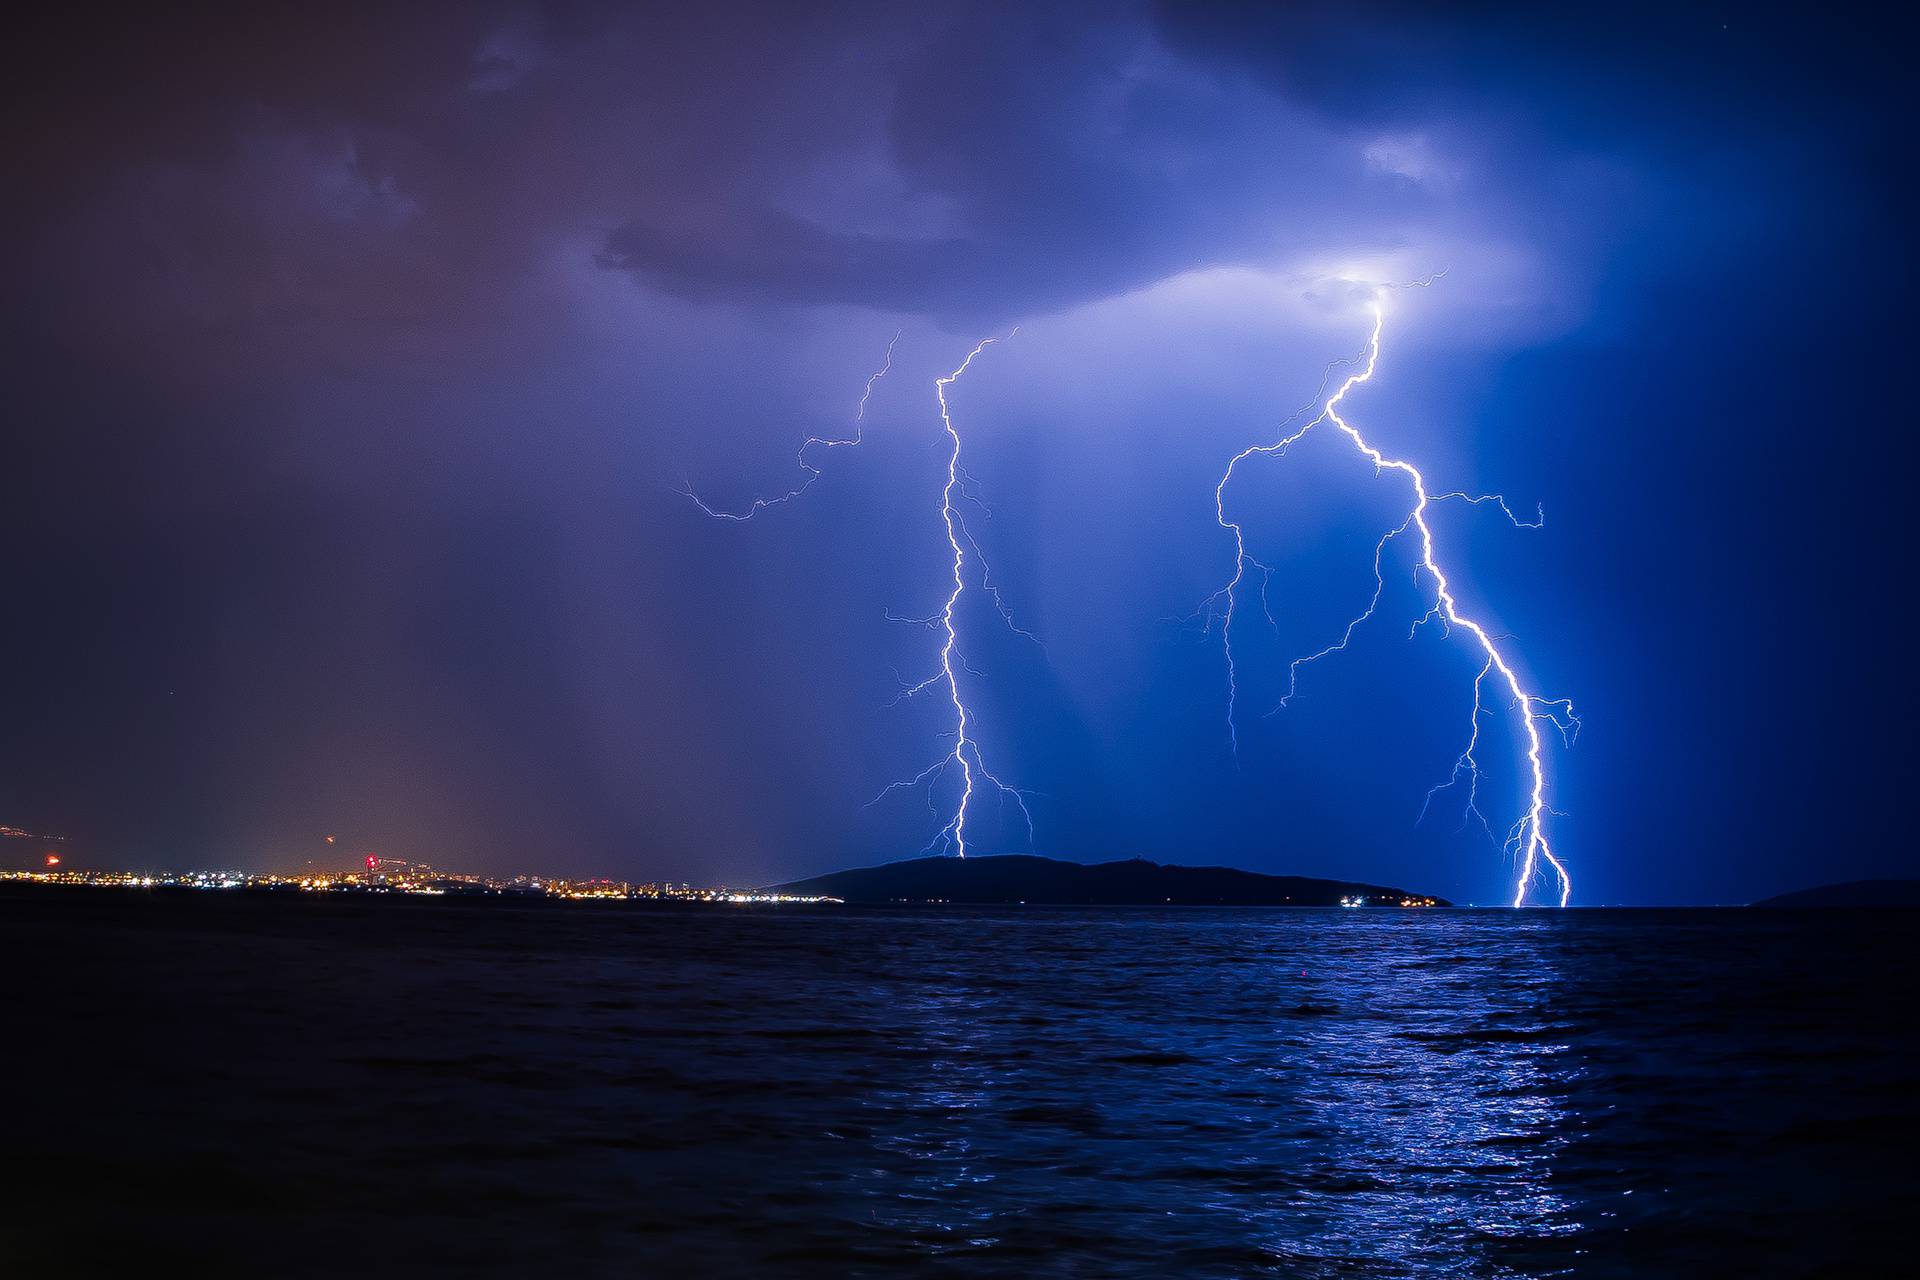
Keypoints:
pixel 382 1088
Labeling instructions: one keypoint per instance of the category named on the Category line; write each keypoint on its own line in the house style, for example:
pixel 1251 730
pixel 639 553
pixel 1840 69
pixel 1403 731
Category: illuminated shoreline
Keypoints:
pixel 434 886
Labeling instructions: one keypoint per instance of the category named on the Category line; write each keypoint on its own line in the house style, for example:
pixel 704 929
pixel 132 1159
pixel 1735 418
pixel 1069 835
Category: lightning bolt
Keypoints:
pixel 813 473
pixel 1527 838
pixel 1226 600
pixel 959 487
pixel 965 755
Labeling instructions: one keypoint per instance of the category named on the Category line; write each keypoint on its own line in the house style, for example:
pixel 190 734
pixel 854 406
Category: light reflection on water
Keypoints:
pixel 1441 1096
pixel 1042 1093
pixel 1302 1090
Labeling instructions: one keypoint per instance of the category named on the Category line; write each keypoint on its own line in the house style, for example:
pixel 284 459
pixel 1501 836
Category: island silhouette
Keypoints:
pixel 1852 893
pixel 1015 879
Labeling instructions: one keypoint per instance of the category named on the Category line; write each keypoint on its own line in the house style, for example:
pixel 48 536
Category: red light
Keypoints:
pixel 372 862
pixel 53 859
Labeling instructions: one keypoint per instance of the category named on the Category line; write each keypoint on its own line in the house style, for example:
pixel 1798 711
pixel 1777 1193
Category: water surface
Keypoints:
pixel 298 1087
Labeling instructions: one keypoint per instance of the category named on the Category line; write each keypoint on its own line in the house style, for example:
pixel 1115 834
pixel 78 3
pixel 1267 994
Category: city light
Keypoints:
pixel 391 876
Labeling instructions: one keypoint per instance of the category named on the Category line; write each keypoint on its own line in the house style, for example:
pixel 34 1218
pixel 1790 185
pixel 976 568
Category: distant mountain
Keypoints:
pixel 1854 893
pixel 1021 878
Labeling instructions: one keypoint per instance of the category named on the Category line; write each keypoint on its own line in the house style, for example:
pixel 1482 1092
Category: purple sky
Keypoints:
pixel 356 359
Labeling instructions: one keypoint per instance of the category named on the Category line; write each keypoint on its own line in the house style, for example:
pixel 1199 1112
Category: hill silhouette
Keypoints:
pixel 1853 893
pixel 1025 878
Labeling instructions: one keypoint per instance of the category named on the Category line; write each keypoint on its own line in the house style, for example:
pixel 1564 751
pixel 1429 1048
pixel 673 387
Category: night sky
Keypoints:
pixel 355 361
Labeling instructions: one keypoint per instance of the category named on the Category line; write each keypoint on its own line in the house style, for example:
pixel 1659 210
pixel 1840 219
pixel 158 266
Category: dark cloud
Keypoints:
pixel 271 174
pixel 769 254
pixel 380 170
pixel 1649 77
pixel 1074 160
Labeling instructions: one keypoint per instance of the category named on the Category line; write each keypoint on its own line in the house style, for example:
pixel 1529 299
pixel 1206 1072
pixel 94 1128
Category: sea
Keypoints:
pixel 217 1083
